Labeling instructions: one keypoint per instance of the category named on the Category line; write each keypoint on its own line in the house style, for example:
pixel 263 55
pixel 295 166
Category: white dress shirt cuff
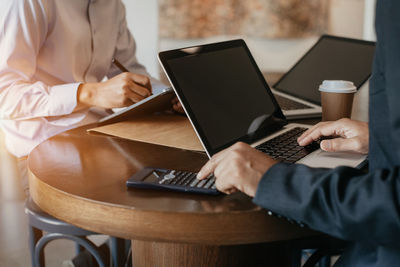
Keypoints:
pixel 63 99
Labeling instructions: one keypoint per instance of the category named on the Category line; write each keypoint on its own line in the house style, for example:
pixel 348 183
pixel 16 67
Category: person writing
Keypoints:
pixel 53 58
pixel 343 202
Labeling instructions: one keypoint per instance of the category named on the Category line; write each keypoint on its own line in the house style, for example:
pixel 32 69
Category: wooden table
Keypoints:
pixel 80 178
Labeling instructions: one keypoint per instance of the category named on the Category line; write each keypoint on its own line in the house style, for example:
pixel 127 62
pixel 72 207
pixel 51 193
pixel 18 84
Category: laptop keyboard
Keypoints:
pixel 285 148
pixel 288 104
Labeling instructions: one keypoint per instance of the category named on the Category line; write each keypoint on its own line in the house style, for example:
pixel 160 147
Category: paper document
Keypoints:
pixel 162 129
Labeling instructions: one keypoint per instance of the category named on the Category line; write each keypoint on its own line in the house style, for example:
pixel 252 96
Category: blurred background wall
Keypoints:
pixel 273 52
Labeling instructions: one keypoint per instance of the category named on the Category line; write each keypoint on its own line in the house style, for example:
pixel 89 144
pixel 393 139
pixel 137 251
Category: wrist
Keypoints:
pixel 86 94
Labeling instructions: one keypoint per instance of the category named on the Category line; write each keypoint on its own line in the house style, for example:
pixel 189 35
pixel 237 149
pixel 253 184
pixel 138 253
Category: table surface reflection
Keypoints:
pixel 80 178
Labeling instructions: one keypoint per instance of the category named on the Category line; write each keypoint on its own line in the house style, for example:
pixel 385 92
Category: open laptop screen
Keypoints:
pixel 223 92
pixel 331 58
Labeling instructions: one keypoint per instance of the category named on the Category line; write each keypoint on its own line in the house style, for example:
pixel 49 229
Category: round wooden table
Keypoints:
pixel 80 178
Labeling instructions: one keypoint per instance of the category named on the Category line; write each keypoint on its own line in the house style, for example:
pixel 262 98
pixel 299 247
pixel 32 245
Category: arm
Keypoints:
pixel 342 202
pixel 21 97
pixel 389 64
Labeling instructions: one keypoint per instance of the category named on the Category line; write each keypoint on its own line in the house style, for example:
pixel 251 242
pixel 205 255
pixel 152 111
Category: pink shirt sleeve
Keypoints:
pixel 22 97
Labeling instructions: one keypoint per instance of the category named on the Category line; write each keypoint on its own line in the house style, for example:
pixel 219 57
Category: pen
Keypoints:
pixel 119 65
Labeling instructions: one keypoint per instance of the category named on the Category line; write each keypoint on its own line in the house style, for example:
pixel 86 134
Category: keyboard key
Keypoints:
pixel 177 179
pixel 190 179
pixel 195 182
pixel 285 147
pixel 210 182
pixel 183 179
pixel 202 182
pixel 167 181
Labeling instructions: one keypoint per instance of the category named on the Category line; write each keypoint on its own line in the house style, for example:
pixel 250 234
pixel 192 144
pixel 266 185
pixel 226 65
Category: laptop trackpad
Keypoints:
pixel 323 159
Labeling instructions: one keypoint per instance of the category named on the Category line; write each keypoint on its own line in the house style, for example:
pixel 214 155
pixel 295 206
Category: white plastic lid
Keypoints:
pixel 337 86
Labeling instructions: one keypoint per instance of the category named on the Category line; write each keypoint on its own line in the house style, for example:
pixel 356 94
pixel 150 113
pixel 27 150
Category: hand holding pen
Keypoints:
pixel 122 90
pixel 176 105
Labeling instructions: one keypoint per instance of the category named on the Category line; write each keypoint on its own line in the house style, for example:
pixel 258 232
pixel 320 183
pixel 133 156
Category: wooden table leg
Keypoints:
pixel 149 254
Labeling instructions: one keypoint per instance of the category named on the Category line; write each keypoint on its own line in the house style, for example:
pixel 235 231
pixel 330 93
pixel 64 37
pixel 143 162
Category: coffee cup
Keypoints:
pixel 336 99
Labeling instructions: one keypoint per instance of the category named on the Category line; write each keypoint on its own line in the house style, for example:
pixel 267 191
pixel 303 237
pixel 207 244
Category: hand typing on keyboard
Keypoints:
pixel 349 136
pixel 285 148
pixel 239 167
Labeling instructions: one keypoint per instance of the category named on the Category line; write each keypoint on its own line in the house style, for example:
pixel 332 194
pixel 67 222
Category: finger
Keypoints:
pixel 226 188
pixel 132 96
pixel 324 129
pixel 176 103
pixel 211 165
pixel 138 89
pixel 229 191
pixel 222 181
pixel 178 108
pixel 308 131
pixel 175 100
pixel 207 169
pixel 233 190
pixel 140 79
pixel 340 144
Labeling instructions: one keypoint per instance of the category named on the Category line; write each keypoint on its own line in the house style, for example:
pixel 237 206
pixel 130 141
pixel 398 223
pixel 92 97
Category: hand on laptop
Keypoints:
pixel 352 136
pixel 239 167
pixel 121 91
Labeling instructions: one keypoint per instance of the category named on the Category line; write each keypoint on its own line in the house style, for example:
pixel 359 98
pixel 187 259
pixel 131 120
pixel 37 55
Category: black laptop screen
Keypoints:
pixel 331 58
pixel 225 95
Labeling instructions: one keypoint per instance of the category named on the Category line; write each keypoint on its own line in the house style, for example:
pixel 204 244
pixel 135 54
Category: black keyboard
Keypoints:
pixel 285 147
pixel 288 104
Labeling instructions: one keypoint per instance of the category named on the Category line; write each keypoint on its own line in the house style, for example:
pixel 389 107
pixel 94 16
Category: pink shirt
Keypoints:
pixel 49 47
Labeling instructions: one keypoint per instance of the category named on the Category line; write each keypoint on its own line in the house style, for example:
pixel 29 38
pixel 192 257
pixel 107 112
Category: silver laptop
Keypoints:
pixel 228 100
pixel 331 58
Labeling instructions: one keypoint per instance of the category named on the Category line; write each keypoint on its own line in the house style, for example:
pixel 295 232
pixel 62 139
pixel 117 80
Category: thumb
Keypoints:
pixel 339 144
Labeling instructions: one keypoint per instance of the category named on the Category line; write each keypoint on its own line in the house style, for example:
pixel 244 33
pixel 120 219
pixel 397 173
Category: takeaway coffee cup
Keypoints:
pixel 336 99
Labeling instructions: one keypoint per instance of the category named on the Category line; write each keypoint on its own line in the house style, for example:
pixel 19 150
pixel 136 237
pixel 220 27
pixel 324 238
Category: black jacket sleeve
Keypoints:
pixel 342 202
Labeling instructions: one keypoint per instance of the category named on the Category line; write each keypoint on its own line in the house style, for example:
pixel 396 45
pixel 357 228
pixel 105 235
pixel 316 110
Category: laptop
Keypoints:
pixel 331 58
pixel 227 100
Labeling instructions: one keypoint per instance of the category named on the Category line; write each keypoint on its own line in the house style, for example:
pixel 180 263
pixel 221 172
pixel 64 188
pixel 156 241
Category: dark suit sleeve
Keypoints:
pixel 388 31
pixel 342 202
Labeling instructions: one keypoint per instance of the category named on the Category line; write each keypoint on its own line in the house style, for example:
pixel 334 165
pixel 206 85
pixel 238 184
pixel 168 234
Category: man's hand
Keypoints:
pixel 121 91
pixel 352 136
pixel 239 167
